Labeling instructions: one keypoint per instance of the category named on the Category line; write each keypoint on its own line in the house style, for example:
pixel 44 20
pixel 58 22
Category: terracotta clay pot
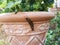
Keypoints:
pixel 58 8
pixel 54 9
pixel 26 28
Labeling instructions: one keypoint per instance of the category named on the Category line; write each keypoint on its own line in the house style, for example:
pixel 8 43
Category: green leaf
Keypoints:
pixel 10 5
pixel 3 4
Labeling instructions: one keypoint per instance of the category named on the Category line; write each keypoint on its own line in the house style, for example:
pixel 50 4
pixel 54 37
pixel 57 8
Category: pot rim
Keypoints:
pixel 21 16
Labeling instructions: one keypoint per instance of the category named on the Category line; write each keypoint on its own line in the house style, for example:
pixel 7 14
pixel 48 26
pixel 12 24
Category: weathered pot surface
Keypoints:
pixel 19 30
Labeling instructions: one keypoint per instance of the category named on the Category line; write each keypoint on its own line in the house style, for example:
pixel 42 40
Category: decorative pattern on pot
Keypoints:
pixel 26 28
pixel 23 35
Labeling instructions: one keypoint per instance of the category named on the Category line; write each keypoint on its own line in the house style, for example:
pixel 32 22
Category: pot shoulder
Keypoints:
pixel 21 16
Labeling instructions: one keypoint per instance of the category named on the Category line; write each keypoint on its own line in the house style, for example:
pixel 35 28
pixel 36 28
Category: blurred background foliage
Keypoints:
pixel 53 35
pixel 25 5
